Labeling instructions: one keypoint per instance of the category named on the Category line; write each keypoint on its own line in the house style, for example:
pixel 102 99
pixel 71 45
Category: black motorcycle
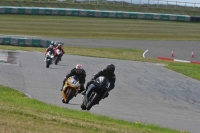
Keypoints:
pixel 95 92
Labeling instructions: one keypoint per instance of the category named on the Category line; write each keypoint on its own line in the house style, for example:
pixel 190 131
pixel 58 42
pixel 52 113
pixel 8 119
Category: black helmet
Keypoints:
pixel 110 68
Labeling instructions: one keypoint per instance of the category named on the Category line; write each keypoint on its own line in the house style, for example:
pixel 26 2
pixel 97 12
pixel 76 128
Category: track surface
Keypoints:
pixel 144 92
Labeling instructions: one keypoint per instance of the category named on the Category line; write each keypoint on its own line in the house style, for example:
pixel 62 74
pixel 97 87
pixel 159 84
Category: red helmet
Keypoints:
pixel 79 68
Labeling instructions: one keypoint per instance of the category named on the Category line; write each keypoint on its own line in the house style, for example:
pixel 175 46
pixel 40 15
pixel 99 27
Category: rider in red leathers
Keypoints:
pixel 61 49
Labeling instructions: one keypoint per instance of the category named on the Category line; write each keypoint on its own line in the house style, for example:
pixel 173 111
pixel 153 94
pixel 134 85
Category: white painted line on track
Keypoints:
pixel 159 64
pixel 182 61
pixel 145 53
pixel 28 95
pixel 4 56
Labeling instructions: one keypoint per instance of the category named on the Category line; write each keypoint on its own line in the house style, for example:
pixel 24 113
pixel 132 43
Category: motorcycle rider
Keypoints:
pixel 108 72
pixel 51 49
pixel 61 49
pixel 80 73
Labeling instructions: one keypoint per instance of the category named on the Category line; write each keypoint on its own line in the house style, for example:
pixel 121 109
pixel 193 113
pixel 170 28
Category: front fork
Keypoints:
pixel 63 93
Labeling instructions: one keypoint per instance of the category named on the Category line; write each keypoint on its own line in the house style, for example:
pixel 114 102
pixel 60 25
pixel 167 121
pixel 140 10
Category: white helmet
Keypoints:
pixel 52 43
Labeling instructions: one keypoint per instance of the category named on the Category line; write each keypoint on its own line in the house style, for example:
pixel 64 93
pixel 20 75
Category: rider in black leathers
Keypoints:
pixel 80 73
pixel 108 72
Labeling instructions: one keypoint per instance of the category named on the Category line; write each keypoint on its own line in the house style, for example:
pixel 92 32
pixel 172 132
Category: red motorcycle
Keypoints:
pixel 57 56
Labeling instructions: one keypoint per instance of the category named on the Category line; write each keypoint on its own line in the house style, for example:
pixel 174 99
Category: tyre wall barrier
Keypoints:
pixel 195 19
pixel 91 13
pixel 32 42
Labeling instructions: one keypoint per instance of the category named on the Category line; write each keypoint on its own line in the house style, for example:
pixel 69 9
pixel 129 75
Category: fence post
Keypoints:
pixel 140 3
pixel 157 3
pixel 167 4
pixel 185 4
pixel 194 5
pixel 176 5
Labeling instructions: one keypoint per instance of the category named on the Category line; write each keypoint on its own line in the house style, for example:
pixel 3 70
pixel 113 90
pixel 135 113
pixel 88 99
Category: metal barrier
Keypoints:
pixel 32 42
pixel 91 13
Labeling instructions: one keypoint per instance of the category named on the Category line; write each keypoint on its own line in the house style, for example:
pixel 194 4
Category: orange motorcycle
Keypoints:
pixel 70 89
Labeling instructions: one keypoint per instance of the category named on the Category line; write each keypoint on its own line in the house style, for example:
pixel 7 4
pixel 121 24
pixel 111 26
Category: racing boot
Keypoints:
pixel 107 94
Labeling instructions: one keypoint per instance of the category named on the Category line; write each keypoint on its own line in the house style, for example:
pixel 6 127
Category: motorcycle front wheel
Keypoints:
pixel 83 106
pixel 92 100
pixel 48 63
pixel 70 94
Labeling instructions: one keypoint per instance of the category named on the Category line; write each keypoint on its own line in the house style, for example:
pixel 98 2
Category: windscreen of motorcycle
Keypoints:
pixel 73 81
pixel 50 54
pixel 58 52
pixel 102 82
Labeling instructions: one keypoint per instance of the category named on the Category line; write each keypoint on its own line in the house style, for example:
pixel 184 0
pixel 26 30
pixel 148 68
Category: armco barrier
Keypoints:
pixel 91 13
pixel 33 42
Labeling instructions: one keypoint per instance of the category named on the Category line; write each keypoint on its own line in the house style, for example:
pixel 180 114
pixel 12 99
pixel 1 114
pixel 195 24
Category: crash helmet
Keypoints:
pixel 110 68
pixel 52 43
pixel 59 45
pixel 79 68
pixel 55 44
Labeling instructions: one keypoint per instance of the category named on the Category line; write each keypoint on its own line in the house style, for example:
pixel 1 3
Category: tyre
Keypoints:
pixel 70 95
pixel 92 100
pixel 56 60
pixel 48 63
pixel 83 106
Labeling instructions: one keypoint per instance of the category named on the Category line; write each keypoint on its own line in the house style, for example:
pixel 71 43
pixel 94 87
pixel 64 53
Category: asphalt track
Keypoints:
pixel 145 92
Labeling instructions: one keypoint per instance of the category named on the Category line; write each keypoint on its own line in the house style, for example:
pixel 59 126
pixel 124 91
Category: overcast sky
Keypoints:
pixel 179 2
pixel 191 1
pixel 195 1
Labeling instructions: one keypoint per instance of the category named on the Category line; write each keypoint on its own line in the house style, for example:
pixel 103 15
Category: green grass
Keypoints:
pixel 101 28
pixel 107 6
pixel 191 70
pixel 20 114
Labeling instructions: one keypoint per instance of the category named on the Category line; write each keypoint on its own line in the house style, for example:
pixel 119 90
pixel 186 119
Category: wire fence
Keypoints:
pixel 140 3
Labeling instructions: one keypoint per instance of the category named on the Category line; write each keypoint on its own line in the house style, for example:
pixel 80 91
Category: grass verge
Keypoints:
pixel 100 28
pixel 20 114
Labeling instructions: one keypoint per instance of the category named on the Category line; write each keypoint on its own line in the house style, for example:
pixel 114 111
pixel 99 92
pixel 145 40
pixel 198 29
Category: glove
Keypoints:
pixel 92 81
